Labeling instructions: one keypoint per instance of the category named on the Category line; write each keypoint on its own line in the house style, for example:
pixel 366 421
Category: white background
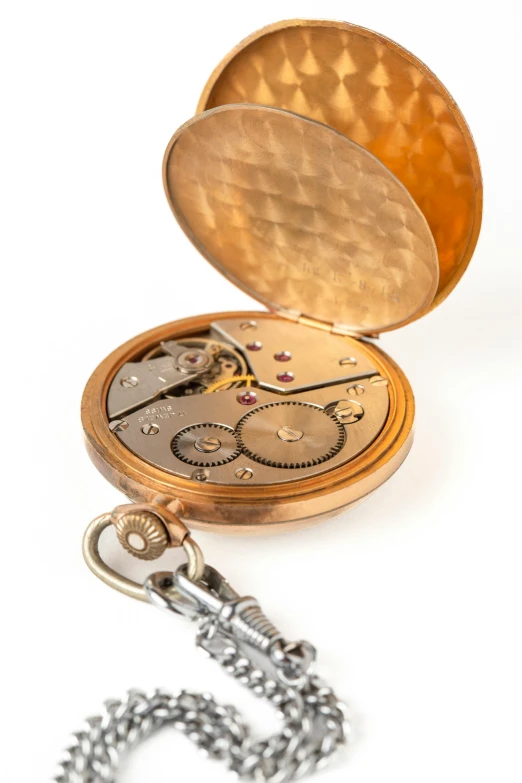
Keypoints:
pixel 413 598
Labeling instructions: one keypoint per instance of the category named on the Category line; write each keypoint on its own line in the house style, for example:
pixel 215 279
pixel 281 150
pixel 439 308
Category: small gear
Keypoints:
pixel 290 434
pixel 206 445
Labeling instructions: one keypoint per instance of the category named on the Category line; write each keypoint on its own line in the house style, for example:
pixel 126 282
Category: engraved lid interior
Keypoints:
pixel 301 218
pixel 380 95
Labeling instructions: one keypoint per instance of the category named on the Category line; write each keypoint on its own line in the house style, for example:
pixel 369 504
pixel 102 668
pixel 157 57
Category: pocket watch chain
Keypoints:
pixel 235 632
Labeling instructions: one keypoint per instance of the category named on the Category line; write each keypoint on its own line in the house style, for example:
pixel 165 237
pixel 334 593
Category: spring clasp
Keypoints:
pixel 226 618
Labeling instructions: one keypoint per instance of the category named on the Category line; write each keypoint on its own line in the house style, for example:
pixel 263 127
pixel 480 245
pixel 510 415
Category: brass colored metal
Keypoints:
pixel 240 506
pixel 301 218
pixel 248 379
pixel 317 358
pixel 170 512
pixel 382 97
pixel 331 176
pixel 290 434
pixel 347 411
pixel 142 534
pixel 91 554
pixel 157 523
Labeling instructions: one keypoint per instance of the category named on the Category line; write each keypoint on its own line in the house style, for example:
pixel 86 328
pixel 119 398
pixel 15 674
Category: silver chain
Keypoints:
pixel 237 634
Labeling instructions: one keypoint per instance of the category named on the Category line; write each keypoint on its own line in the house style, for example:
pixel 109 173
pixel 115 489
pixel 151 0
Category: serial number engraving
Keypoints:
pixel 159 412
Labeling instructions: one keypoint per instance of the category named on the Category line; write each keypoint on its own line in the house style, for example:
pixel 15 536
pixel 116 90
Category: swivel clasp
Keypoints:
pixel 227 618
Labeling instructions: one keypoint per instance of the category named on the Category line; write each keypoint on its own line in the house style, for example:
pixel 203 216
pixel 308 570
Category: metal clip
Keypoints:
pixel 226 618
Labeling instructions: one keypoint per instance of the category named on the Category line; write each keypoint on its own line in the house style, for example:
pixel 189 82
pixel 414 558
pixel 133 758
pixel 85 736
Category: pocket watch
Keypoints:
pixel 330 175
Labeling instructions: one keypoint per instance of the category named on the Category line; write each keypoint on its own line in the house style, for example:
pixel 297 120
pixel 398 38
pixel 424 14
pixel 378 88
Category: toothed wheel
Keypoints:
pixel 290 435
pixel 206 445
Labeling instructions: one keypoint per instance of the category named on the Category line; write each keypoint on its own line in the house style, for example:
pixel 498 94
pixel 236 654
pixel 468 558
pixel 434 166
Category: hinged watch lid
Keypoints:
pixel 301 217
pixel 382 97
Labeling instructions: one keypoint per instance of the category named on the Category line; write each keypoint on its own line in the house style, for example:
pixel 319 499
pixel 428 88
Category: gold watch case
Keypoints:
pixel 330 175
pixel 381 96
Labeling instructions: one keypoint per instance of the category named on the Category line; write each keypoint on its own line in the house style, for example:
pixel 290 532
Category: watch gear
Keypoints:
pixel 223 383
pixel 206 445
pixel 173 402
pixel 290 434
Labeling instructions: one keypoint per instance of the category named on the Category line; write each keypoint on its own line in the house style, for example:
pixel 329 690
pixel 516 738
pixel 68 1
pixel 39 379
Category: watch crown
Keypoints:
pixel 142 534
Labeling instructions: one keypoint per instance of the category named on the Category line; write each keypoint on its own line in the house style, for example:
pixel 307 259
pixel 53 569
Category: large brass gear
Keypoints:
pixel 290 434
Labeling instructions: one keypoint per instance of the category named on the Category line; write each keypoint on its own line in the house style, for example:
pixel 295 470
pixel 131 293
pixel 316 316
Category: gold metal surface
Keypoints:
pixel 378 94
pixel 315 356
pixel 301 217
pixel 290 435
pixel 243 508
pixel 99 567
pixel 157 523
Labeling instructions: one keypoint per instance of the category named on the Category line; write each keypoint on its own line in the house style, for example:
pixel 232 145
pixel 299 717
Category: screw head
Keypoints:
pixel 347 361
pixel 129 382
pixel 378 380
pixel 346 411
pixel 248 325
pixel 150 429
pixel 355 391
pixel 118 425
pixel 200 474
pixel 289 434
pixel 244 474
pixel 207 445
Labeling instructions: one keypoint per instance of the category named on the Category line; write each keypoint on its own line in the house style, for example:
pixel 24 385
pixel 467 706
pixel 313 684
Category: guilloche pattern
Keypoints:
pixel 382 97
pixel 301 217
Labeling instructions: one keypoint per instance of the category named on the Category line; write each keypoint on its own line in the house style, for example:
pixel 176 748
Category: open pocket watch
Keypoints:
pixel 328 174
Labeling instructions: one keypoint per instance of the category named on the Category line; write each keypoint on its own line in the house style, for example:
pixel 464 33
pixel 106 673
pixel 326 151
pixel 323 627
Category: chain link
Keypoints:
pixel 234 632
pixel 314 727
